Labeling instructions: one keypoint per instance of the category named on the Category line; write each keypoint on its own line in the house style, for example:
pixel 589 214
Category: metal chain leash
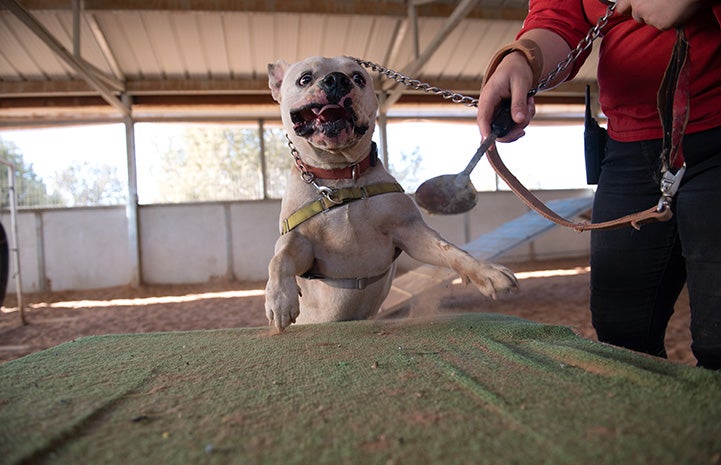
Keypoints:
pixel 582 46
pixel 308 177
pixel 456 97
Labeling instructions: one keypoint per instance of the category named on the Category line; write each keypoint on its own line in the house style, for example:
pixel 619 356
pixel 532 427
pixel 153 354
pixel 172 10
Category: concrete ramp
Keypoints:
pixel 489 246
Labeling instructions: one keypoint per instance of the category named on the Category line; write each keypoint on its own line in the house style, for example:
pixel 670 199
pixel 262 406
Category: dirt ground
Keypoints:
pixel 552 292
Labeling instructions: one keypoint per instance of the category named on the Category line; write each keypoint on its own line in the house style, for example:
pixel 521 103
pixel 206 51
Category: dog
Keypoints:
pixel 344 218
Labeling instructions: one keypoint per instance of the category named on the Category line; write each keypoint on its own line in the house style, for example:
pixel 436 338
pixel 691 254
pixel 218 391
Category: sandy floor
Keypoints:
pixel 553 292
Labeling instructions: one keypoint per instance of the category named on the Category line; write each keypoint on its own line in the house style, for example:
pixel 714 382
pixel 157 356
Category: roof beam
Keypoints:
pixel 201 87
pixel 94 77
pixel 352 7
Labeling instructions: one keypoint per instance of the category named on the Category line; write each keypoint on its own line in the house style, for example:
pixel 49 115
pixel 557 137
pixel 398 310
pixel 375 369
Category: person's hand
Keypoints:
pixel 661 14
pixel 512 79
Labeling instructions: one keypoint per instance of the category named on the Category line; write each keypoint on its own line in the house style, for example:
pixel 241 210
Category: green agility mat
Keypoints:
pixel 469 389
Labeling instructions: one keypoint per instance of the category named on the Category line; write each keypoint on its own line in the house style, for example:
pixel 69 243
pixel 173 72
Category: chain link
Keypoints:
pixel 582 46
pixel 456 97
pixel 305 175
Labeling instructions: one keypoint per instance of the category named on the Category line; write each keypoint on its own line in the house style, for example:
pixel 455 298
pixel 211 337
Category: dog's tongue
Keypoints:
pixel 329 112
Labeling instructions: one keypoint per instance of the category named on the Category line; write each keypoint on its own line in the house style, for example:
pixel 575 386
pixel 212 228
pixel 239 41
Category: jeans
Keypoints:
pixel 637 275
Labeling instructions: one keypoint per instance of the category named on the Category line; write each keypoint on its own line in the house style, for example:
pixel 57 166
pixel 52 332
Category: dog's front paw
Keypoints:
pixel 488 277
pixel 281 304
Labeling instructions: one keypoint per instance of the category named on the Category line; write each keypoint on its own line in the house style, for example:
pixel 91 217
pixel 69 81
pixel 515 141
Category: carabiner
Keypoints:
pixel 327 193
pixel 670 183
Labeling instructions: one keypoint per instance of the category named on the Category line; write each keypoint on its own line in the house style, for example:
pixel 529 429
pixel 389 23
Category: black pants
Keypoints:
pixel 636 276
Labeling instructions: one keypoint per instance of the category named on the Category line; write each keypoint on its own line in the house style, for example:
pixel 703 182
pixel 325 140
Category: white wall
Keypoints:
pixel 87 248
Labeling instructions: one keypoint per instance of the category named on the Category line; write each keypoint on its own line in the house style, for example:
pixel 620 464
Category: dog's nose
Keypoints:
pixel 335 85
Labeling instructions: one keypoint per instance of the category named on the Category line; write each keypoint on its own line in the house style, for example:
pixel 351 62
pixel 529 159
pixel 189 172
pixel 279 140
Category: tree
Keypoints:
pixel 278 161
pixel 30 190
pixel 219 163
pixel 89 184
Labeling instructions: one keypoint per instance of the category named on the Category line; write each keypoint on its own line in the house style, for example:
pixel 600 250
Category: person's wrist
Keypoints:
pixel 528 49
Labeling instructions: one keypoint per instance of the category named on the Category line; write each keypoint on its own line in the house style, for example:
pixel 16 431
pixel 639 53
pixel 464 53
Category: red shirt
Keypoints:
pixel 632 61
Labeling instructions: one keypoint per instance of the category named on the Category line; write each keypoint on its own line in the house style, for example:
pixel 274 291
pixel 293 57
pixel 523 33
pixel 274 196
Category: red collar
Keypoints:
pixel 347 172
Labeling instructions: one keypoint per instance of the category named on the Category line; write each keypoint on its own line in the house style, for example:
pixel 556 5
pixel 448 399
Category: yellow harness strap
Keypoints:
pixel 339 197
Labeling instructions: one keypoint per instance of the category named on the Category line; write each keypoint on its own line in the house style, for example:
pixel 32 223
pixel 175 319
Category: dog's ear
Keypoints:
pixel 276 72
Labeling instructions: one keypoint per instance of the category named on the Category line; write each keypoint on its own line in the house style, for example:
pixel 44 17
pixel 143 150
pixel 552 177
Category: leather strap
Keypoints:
pixel 529 49
pixel 350 283
pixel 673 103
pixel 347 283
pixel 347 172
pixel 635 220
pixel 337 198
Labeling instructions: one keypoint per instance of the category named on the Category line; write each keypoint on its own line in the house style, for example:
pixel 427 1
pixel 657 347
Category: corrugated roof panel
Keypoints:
pixel 466 53
pixel 287 33
pixel 380 41
pixel 358 35
pixel 162 41
pixel 336 35
pixel 7 72
pixel 493 36
pixel 28 54
pixel 190 44
pixel 136 31
pixel 311 37
pixel 117 35
pixel 439 64
pixel 16 63
pixel 239 43
pixel 264 36
pixel 45 58
pixel 212 39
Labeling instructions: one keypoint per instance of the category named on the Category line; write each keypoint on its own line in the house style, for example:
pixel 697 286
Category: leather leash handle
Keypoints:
pixel 635 220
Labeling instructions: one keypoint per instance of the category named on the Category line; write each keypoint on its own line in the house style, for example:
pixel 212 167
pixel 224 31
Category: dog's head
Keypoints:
pixel 328 107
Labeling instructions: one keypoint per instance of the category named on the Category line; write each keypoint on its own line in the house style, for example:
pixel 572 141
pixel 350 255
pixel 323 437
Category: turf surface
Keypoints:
pixel 476 389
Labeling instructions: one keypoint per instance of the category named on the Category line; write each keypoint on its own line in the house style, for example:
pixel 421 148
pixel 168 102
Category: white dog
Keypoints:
pixel 344 218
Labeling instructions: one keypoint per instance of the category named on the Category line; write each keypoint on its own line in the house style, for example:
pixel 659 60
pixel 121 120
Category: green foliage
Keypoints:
pixel 214 163
pixel 30 190
pixel 278 162
pixel 86 184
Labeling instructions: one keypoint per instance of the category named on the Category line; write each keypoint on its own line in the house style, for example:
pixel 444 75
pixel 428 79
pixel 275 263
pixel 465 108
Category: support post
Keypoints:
pixel 383 130
pixel 15 248
pixel 131 207
pixel 77 10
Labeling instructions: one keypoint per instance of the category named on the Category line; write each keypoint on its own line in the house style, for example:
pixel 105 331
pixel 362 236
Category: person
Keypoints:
pixel 636 275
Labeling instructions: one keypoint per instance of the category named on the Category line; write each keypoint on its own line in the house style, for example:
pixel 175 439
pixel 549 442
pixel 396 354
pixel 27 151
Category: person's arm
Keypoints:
pixel 663 14
pixel 514 77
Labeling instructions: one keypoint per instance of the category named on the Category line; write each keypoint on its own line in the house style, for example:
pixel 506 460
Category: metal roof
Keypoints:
pixel 98 60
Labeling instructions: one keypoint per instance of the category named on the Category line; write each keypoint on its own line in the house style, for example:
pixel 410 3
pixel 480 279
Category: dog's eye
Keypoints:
pixel 305 79
pixel 359 80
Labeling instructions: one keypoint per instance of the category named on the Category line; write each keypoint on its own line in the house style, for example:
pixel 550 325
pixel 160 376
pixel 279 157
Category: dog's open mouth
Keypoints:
pixel 328 119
